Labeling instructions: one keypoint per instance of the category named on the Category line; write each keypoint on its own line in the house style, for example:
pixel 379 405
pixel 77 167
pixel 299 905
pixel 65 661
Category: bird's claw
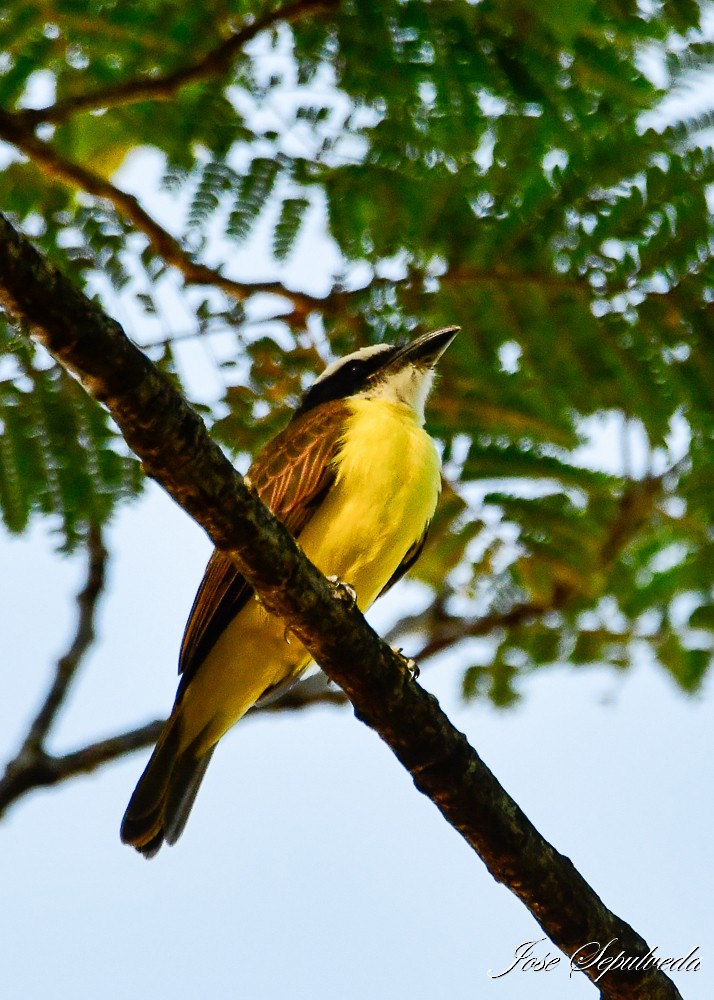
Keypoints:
pixel 411 665
pixel 343 589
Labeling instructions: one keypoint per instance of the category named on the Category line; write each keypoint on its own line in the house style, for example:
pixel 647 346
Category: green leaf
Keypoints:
pixel 59 454
pixel 703 618
pixel 287 228
pixel 496 166
pixel 687 666
pixel 254 189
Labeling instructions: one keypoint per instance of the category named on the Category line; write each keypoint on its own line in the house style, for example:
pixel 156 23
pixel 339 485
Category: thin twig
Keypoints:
pixel 314 690
pixel 57 167
pixel 40 769
pixel 450 630
pixel 67 665
pixel 13 129
pixel 162 88
pixel 445 631
pixel 32 765
pixel 34 768
pixel 502 276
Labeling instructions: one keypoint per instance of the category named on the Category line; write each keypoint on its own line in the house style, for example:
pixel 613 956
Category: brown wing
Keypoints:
pixel 291 475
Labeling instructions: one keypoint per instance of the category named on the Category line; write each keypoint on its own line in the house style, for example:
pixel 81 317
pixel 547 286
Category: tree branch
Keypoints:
pixel 58 168
pixel 444 631
pixel 68 664
pixel 213 64
pixel 314 690
pixel 30 771
pixel 177 451
pixel 40 770
pixel 501 275
pixel 32 765
pixel 15 130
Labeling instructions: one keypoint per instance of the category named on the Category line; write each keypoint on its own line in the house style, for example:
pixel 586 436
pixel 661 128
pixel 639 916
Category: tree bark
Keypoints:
pixel 172 442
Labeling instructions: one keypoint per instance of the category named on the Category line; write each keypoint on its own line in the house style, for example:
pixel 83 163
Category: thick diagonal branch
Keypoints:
pixel 177 451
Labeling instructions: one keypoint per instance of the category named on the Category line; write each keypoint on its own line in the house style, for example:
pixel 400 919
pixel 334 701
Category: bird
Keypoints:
pixel 355 478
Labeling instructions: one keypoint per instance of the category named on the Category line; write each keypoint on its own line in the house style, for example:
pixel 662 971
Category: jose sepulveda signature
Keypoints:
pixel 594 955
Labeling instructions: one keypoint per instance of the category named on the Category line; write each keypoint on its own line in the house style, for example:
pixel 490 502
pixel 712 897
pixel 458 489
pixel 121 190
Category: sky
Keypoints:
pixel 311 867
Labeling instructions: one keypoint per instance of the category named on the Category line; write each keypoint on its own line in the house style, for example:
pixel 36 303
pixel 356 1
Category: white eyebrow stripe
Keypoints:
pixel 361 355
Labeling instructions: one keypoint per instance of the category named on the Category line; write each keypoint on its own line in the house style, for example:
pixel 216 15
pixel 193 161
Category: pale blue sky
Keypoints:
pixel 311 866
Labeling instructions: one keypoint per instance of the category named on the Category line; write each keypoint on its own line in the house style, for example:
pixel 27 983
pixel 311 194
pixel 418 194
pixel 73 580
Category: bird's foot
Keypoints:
pixel 343 590
pixel 411 665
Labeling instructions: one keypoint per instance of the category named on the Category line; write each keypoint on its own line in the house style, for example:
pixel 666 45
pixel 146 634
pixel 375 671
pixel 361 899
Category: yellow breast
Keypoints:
pixel 385 494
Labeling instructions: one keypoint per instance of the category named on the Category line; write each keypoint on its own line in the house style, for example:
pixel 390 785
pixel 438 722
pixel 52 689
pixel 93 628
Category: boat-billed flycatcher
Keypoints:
pixel 355 478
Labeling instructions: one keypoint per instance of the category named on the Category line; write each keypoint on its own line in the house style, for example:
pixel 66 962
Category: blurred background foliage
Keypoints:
pixel 539 173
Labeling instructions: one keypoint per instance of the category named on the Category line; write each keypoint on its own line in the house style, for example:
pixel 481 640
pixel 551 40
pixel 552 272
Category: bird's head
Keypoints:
pixel 400 373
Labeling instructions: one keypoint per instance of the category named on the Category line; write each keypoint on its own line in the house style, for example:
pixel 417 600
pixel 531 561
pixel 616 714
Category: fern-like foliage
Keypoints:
pixel 59 455
pixel 522 169
pixel 287 228
pixel 253 191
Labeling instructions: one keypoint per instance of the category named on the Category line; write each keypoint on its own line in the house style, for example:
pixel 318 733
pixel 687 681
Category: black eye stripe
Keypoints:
pixel 346 380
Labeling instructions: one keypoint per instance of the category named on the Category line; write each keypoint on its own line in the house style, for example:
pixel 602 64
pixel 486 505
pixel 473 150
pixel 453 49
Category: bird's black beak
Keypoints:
pixel 426 350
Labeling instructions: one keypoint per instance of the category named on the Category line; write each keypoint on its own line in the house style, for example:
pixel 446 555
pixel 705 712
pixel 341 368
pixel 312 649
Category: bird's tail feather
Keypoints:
pixel 163 798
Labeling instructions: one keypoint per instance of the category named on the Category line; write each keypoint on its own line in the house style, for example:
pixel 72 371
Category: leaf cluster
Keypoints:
pixel 60 454
pixel 500 165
